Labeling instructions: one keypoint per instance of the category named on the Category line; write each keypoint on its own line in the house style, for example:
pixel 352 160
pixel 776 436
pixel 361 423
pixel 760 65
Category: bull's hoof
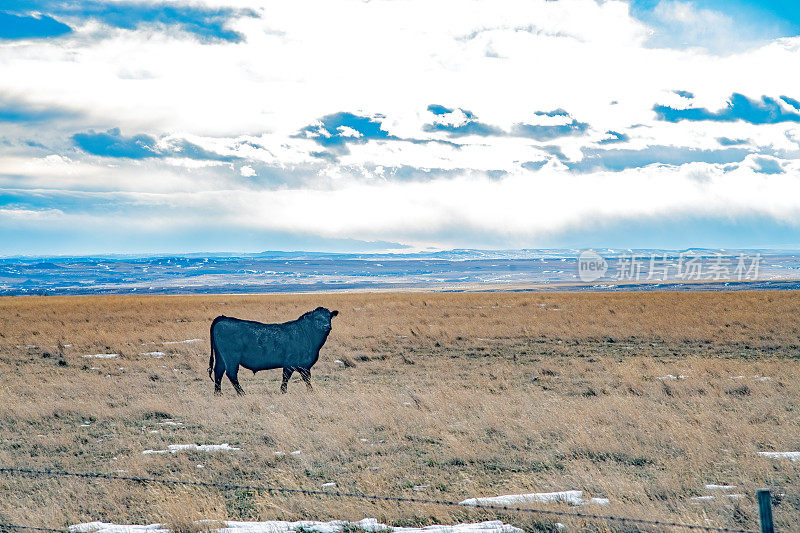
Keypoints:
pixel 217 392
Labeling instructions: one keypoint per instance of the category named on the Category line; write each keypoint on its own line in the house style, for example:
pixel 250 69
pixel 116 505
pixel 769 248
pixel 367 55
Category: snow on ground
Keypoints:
pixel 103 355
pixel 712 486
pixel 278 526
pixel 153 353
pixel 698 499
pixel 175 448
pixel 670 376
pixel 793 456
pixel 182 342
pixel 572 497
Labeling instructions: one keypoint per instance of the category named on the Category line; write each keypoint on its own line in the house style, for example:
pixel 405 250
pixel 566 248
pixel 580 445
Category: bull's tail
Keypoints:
pixel 213 348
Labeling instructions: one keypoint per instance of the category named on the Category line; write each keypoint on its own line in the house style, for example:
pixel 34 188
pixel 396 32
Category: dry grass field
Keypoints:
pixel 445 396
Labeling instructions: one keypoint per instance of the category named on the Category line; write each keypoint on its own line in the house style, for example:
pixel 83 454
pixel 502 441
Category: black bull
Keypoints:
pixel 293 346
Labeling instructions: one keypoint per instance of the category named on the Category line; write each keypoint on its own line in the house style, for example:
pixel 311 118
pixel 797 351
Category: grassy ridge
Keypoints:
pixel 442 396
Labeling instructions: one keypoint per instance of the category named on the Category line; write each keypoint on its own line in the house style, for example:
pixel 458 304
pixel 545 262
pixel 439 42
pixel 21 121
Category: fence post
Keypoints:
pixel 765 511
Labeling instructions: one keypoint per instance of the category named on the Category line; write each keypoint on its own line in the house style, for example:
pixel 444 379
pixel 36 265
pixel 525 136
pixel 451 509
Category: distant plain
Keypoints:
pixel 454 270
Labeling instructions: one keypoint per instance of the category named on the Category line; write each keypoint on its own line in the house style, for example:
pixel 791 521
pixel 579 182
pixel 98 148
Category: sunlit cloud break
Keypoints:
pixel 181 126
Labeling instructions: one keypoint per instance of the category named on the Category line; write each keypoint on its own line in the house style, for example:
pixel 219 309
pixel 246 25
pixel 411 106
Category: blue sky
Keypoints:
pixel 341 125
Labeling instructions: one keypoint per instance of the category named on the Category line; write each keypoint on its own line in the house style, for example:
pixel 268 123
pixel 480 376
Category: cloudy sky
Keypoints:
pixel 130 126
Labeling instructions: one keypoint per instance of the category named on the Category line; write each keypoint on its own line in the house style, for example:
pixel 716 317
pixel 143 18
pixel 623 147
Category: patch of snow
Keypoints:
pixel 279 453
pixel 572 497
pixel 296 452
pixel 182 342
pixel 712 486
pixel 102 355
pixel 793 456
pixel 170 423
pixel 328 485
pixel 277 526
pixel 600 501
pixel 175 448
pixel 153 353
pixel 420 487
pixel 709 498
pixel 339 361
pixel 670 376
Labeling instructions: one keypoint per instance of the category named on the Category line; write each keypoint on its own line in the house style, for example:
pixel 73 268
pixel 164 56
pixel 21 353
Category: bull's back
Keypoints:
pixel 240 343
pixel 258 346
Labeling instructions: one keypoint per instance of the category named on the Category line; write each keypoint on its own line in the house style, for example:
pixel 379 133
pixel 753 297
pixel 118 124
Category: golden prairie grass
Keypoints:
pixel 445 396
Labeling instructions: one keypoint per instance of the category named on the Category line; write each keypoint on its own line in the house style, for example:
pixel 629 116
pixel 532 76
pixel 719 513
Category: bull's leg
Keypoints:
pixel 219 371
pixel 233 377
pixel 305 373
pixel 287 373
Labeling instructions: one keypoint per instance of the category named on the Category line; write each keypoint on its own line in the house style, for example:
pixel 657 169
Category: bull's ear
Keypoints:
pixel 334 313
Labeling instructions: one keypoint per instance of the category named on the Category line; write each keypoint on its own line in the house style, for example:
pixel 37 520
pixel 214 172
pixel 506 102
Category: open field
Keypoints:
pixel 447 396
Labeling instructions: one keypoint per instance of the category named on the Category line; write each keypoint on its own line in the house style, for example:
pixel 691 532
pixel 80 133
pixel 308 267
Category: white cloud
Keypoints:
pixel 346 131
pixel 30 215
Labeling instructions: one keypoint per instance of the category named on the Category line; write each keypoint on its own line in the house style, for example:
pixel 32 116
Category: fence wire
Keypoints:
pixel 14 471
pixel 14 527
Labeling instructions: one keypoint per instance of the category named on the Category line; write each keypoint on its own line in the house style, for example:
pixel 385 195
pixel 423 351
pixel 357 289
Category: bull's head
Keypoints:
pixel 323 316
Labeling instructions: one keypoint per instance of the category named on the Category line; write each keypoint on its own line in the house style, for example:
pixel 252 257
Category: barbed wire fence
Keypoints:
pixel 31 472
